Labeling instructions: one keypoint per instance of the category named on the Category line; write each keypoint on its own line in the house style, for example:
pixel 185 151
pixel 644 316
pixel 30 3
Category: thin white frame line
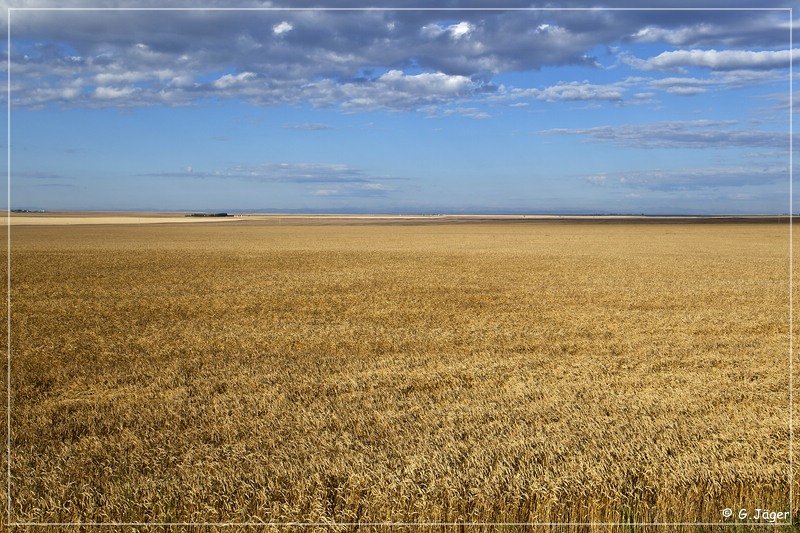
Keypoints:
pixel 400 9
pixel 8 267
pixel 391 524
pixel 388 524
pixel 791 267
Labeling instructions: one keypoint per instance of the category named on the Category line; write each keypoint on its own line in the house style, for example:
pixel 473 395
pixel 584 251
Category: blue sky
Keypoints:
pixel 408 112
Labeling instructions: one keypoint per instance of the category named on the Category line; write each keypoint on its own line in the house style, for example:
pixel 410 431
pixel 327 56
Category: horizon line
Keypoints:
pixel 392 213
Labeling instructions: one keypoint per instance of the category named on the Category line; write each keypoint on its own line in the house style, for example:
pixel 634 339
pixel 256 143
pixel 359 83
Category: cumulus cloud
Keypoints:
pixel 578 91
pixel 230 80
pixel 145 52
pixel 425 83
pixel 683 86
pixel 753 29
pixel 282 27
pixel 716 59
pixel 392 90
pixel 460 30
pixel 111 93
pixel 689 86
pixel 573 91
pixel 678 134
pixel 454 31
pixel 673 36
pixel 685 90
pixel 69 58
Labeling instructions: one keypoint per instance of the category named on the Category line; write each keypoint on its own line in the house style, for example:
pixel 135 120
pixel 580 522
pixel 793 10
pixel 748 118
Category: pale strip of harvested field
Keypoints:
pixel 464 372
pixel 106 220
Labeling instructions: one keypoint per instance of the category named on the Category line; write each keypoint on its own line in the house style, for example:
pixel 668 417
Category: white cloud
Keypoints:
pixel 325 67
pixel 570 92
pixel 688 86
pixel 282 27
pixel 432 30
pixel 462 29
pixel 673 36
pixel 230 80
pixel 112 93
pixel 580 91
pixel 677 85
pixel 181 81
pixel 392 90
pixel 132 76
pixel 685 90
pixel 643 97
pixel 437 82
pixel 715 59
pixel 753 29
pixel 325 192
pixel 456 31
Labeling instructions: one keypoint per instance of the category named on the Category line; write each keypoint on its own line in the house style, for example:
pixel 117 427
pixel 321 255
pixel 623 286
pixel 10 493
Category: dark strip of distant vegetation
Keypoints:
pixel 209 215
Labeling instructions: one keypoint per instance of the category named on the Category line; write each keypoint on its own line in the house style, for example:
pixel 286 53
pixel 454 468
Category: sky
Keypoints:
pixel 401 111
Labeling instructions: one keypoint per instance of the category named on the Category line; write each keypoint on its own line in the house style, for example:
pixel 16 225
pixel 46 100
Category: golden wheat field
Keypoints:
pixel 252 371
